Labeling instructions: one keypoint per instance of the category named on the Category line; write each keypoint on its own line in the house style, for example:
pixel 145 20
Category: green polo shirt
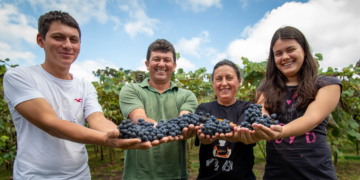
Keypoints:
pixel 167 161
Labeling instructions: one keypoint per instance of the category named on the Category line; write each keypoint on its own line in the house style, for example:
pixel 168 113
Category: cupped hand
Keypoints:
pixel 245 135
pixel 205 139
pixel 113 140
pixel 263 132
pixel 189 132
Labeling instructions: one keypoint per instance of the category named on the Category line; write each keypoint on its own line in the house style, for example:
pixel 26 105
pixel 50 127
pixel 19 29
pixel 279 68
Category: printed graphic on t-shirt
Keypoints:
pixel 292 113
pixel 221 150
pixel 74 107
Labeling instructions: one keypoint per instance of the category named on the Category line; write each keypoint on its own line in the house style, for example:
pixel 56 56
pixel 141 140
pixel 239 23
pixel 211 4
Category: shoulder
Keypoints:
pixel 21 70
pixel 323 81
pixel 183 91
pixel 208 104
pixel 84 83
pixel 243 104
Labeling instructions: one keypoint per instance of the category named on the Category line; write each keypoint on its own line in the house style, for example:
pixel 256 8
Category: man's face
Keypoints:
pixel 61 44
pixel 160 65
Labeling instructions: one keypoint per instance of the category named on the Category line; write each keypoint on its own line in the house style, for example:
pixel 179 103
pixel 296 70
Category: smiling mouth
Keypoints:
pixel 65 54
pixel 224 90
pixel 160 70
pixel 289 63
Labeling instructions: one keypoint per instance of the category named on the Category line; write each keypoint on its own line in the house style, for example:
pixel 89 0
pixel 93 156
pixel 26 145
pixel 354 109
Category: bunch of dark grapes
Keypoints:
pixel 254 115
pixel 147 132
pixel 212 125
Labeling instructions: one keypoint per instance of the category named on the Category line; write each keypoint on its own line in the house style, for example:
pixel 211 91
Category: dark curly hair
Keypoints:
pixel 46 19
pixel 162 45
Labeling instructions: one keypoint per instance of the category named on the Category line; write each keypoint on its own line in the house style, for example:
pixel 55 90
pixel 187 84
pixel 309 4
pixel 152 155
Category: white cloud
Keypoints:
pixel 82 11
pixel 185 64
pixel 218 57
pixel 192 46
pixel 138 22
pixel 84 69
pixel 16 26
pixel 141 65
pixel 198 5
pixel 330 26
pixel 7 52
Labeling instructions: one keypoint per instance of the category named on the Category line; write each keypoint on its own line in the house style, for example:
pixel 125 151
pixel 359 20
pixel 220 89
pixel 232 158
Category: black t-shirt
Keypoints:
pixel 224 159
pixel 300 157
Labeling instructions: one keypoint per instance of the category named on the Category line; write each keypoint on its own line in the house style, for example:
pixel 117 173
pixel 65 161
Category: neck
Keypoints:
pixel 226 103
pixel 292 81
pixel 59 72
pixel 161 87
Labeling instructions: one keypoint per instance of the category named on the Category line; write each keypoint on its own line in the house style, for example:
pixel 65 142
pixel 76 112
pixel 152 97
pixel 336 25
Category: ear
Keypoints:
pixel 147 64
pixel 40 40
pixel 174 67
pixel 240 80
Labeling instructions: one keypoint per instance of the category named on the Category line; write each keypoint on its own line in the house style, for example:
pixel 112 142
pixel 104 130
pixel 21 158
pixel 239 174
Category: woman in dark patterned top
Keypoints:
pixel 297 148
pixel 225 157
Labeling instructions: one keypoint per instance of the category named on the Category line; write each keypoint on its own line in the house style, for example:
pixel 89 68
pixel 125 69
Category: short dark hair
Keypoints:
pixel 46 19
pixel 227 63
pixel 162 45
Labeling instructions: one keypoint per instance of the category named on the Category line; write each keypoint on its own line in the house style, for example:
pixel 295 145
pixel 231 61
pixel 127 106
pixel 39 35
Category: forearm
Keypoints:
pixel 77 133
pixel 301 125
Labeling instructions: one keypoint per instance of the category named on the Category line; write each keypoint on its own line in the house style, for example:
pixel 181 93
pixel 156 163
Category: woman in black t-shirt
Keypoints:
pixel 297 148
pixel 225 157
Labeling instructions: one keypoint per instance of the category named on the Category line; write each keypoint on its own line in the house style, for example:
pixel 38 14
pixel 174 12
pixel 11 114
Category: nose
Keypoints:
pixel 224 82
pixel 161 63
pixel 67 44
pixel 285 56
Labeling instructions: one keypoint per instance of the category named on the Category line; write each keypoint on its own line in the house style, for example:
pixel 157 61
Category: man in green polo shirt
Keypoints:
pixel 158 98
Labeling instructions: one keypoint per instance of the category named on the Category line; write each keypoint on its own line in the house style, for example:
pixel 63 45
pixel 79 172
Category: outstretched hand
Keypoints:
pixel 263 132
pixel 113 140
pixel 189 132
pixel 205 139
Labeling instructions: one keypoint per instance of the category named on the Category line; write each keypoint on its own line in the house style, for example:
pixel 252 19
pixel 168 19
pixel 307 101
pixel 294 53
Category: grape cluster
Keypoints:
pixel 254 115
pixel 212 125
pixel 147 132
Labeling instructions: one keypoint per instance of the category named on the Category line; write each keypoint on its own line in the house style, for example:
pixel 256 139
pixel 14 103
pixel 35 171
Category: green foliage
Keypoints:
pixel 7 130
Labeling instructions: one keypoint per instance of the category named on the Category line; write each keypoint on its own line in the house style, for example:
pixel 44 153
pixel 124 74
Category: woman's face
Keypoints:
pixel 226 83
pixel 289 56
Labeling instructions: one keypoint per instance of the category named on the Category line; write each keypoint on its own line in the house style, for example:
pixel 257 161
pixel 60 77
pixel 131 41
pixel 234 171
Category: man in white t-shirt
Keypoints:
pixel 49 107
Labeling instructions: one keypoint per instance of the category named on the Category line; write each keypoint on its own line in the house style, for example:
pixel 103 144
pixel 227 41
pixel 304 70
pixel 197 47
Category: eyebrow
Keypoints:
pixel 61 34
pixel 286 48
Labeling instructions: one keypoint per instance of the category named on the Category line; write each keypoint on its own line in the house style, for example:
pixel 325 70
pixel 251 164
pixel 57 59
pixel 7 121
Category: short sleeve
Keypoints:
pixel 19 88
pixel 323 81
pixel 129 100
pixel 91 104
pixel 190 102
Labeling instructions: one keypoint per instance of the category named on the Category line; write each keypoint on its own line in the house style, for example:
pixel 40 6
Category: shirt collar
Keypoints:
pixel 145 83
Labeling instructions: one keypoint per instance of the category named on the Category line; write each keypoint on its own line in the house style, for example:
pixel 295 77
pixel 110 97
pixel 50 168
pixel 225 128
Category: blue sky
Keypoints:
pixel 116 33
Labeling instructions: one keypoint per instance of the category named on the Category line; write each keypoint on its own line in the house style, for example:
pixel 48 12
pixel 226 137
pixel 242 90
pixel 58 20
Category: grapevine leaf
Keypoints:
pixel 348 92
pixel 351 132
pixel 336 132
pixel 353 124
pixel 3 138
pixel 319 56
pixel 357 70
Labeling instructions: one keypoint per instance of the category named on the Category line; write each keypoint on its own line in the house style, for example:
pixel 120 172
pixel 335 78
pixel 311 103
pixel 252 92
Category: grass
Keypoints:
pixel 103 170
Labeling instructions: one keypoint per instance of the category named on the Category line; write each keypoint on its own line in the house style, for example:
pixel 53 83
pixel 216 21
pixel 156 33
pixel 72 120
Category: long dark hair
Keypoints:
pixel 274 85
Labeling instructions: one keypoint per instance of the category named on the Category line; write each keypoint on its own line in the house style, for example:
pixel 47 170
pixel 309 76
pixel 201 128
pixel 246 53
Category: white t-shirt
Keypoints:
pixel 40 155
